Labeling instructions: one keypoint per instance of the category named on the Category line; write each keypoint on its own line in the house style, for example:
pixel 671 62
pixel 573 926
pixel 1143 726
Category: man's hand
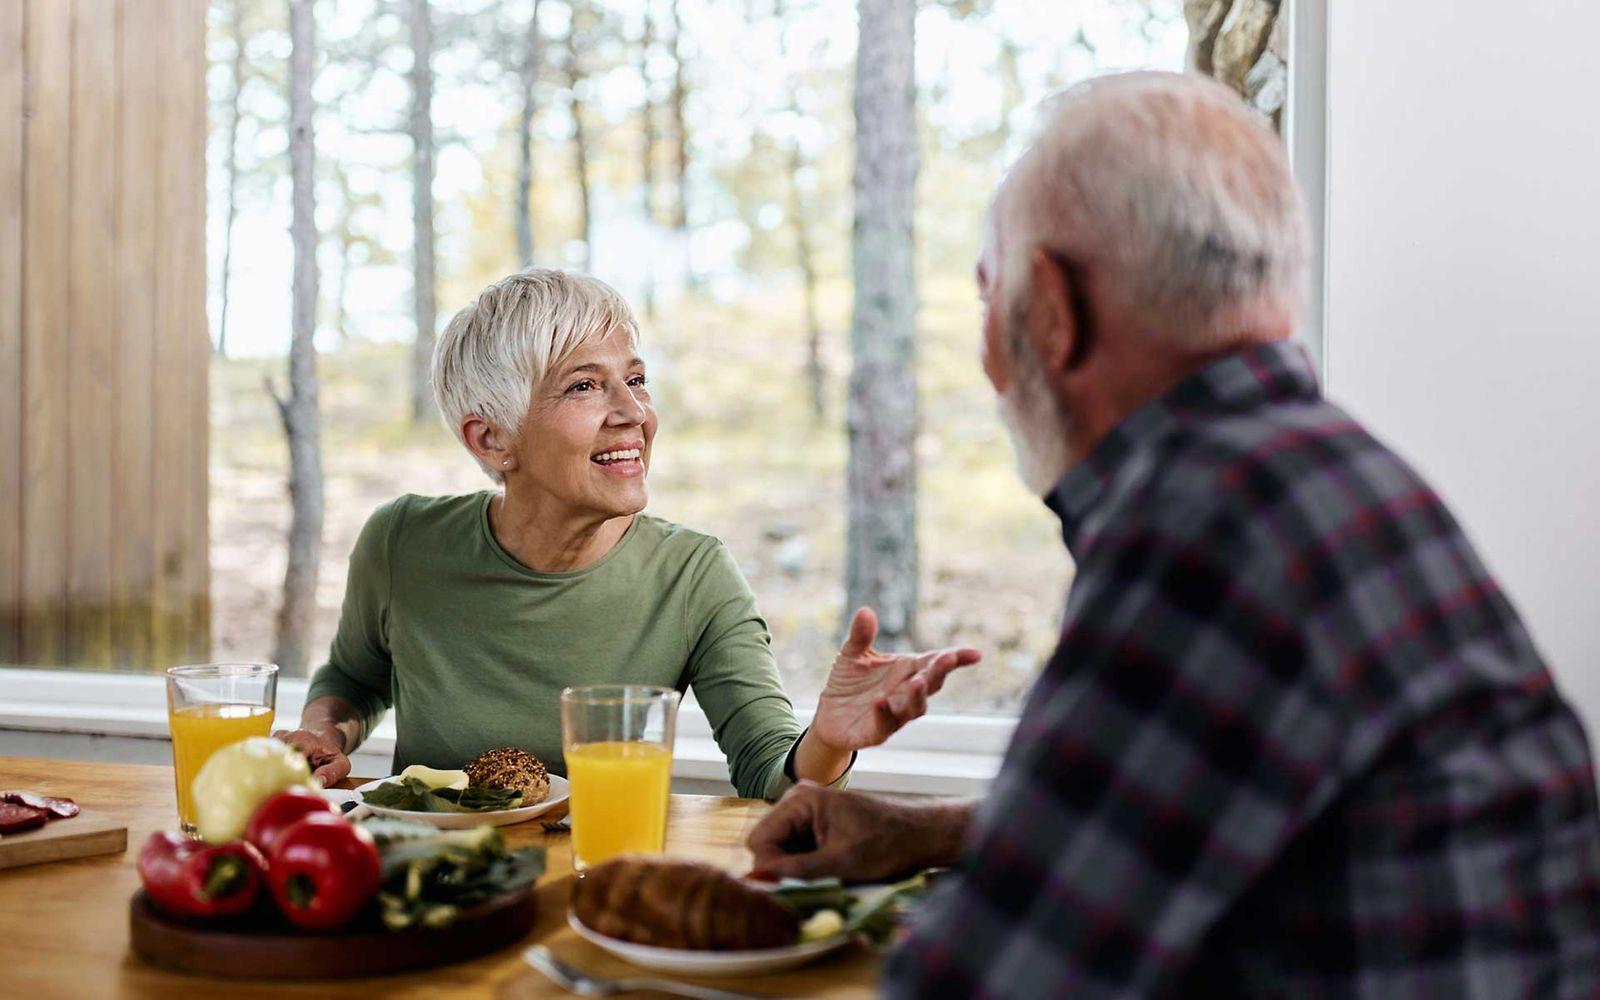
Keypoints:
pixel 814 832
pixel 870 695
pixel 324 752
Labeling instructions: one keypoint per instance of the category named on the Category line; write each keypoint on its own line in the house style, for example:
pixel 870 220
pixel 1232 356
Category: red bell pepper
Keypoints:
pixel 322 870
pixel 194 879
pixel 282 810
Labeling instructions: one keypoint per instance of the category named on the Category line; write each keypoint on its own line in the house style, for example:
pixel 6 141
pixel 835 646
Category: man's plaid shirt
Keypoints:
pixel 1294 740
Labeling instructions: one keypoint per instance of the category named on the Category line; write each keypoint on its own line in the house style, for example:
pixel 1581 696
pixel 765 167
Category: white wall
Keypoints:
pixel 1463 281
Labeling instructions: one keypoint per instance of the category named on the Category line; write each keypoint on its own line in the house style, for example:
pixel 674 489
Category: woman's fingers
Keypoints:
pixel 918 697
pixel 863 629
pixel 945 661
pixel 909 701
pixel 884 717
pixel 333 772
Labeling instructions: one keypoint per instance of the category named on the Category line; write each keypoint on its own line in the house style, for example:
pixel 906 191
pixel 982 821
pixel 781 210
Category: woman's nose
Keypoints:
pixel 626 409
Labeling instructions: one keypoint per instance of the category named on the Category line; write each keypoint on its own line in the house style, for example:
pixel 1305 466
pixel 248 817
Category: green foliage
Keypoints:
pixel 739 453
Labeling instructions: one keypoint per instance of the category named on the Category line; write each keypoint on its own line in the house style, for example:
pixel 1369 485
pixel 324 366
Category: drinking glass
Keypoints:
pixel 617 741
pixel 210 705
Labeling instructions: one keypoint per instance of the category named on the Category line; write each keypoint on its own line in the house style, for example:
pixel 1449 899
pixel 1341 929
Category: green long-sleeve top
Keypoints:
pixel 472 648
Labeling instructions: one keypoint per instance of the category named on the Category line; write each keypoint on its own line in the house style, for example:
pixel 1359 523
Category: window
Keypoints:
pixel 695 153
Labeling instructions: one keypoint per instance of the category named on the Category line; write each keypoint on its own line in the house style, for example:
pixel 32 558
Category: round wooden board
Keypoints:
pixel 267 948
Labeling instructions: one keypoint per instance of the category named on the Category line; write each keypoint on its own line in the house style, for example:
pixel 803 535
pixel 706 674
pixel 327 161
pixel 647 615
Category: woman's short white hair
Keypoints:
pixel 1174 188
pixel 504 343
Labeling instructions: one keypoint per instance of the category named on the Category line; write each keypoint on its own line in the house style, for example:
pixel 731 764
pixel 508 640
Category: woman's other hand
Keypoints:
pixel 324 752
pixel 870 695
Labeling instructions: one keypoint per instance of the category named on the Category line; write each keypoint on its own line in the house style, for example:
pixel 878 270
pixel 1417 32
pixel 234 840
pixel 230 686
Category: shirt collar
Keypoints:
pixel 1241 380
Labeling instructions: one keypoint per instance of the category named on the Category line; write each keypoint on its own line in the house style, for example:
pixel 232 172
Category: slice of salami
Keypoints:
pixel 15 818
pixel 58 808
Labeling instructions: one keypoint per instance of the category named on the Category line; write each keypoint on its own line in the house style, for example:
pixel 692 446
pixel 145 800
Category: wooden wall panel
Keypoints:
pixel 12 35
pixel 92 231
pixel 139 134
pixel 46 313
pixel 103 549
pixel 198 550
pixel 174 182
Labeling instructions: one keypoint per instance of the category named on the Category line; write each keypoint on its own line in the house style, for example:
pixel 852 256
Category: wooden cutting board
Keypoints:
pixel 79 837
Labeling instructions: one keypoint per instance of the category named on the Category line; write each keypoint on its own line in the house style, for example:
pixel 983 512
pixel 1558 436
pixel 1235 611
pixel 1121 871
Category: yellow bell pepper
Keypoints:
pixel 239 777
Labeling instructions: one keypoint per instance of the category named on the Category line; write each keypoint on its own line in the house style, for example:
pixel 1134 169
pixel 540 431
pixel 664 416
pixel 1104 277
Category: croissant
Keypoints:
pixel 680 904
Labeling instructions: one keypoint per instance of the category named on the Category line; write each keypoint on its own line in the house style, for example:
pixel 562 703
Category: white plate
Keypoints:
pixel 688 962
pixel 468 820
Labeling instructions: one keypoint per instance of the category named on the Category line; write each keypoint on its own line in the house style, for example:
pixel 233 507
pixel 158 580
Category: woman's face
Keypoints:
pixel 587 438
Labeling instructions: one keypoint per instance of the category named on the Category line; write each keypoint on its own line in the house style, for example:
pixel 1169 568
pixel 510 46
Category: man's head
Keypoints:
pixel 1152 227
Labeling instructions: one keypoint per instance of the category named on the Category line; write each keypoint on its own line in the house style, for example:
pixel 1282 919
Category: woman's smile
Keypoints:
pixel 625 460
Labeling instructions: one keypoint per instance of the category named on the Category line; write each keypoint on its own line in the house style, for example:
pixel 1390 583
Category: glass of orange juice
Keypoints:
pixel 617 741
pixel 210 705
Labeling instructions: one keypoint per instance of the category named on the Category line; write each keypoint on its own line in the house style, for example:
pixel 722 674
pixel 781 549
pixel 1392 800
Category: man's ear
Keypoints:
pixel 1052 321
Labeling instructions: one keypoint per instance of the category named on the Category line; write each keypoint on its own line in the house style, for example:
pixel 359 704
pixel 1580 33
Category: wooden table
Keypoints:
pixel 64 926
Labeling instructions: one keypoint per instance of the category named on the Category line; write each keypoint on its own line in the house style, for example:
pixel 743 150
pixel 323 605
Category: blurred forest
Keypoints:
pixel 699 155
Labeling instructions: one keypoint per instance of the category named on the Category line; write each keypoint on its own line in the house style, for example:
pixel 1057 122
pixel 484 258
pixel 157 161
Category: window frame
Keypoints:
pixel 942 754
pixel 938 755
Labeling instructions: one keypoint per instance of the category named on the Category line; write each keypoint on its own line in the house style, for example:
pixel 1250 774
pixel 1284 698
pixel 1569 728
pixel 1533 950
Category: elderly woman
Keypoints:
pixel 469 614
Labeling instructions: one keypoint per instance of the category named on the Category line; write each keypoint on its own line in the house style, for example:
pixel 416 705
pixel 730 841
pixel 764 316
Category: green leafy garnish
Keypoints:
pixel 414 795
pixel 430 875
pixel 871 913
pixel 876 917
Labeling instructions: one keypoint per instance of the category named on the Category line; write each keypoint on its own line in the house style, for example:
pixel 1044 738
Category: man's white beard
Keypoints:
pixel 1039 435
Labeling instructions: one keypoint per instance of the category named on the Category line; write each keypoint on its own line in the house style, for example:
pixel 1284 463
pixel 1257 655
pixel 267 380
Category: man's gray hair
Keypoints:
pixel 1173 191
pixel 504 343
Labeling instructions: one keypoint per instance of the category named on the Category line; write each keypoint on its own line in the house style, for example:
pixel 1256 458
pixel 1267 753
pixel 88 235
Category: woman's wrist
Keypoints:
pixel 335 720
pixel 815 760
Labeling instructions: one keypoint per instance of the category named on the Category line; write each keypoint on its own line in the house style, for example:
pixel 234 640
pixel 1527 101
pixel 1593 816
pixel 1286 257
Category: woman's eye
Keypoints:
pixel 583 386
pixel 638 381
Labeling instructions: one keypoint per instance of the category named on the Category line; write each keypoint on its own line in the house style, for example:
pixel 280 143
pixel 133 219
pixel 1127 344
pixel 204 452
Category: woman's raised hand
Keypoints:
pixel 870 695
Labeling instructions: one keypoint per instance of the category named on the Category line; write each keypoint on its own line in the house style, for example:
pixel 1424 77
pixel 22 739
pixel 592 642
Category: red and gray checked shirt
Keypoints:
pixel 1294 740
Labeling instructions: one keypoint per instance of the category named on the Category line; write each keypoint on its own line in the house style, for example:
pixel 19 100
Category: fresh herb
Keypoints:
pixel 430 875
pixel 871 913
pixel 876 917
pixel 414 795
pixel 810 896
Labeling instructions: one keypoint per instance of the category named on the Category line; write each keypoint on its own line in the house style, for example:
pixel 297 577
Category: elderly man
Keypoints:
pixel 1294 740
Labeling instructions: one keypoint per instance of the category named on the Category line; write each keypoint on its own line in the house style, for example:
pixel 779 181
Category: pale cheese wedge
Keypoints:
pixel 435 778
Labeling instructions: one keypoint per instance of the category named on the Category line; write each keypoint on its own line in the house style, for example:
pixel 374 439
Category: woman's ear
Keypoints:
pixel 484 442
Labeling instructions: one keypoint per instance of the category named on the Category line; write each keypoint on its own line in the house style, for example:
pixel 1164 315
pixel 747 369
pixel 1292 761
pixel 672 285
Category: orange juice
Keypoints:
pixel 619 799
pixel 201 730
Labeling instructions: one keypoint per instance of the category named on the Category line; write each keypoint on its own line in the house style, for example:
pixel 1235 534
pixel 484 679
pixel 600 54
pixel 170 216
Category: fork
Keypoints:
pixel 577 981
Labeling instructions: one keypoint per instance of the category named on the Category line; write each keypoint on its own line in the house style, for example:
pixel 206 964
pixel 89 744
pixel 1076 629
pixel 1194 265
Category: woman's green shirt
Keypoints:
pixel 472 649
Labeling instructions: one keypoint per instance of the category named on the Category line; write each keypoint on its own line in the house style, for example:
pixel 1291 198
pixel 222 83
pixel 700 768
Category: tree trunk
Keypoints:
pixel 1244 44
pixel 580 137
pixel 816 375
pixel 680 130
pixel 647 155
pixel 236 30
pixel 422 269
pixel 680 136
pixel 347 240
pixel 530 76
pixel 881 558
pixel 301 423
pixel 805 256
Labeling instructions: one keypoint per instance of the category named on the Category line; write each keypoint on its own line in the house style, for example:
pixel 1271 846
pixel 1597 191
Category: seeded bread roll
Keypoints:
pixel 508 767
pixel 680 904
